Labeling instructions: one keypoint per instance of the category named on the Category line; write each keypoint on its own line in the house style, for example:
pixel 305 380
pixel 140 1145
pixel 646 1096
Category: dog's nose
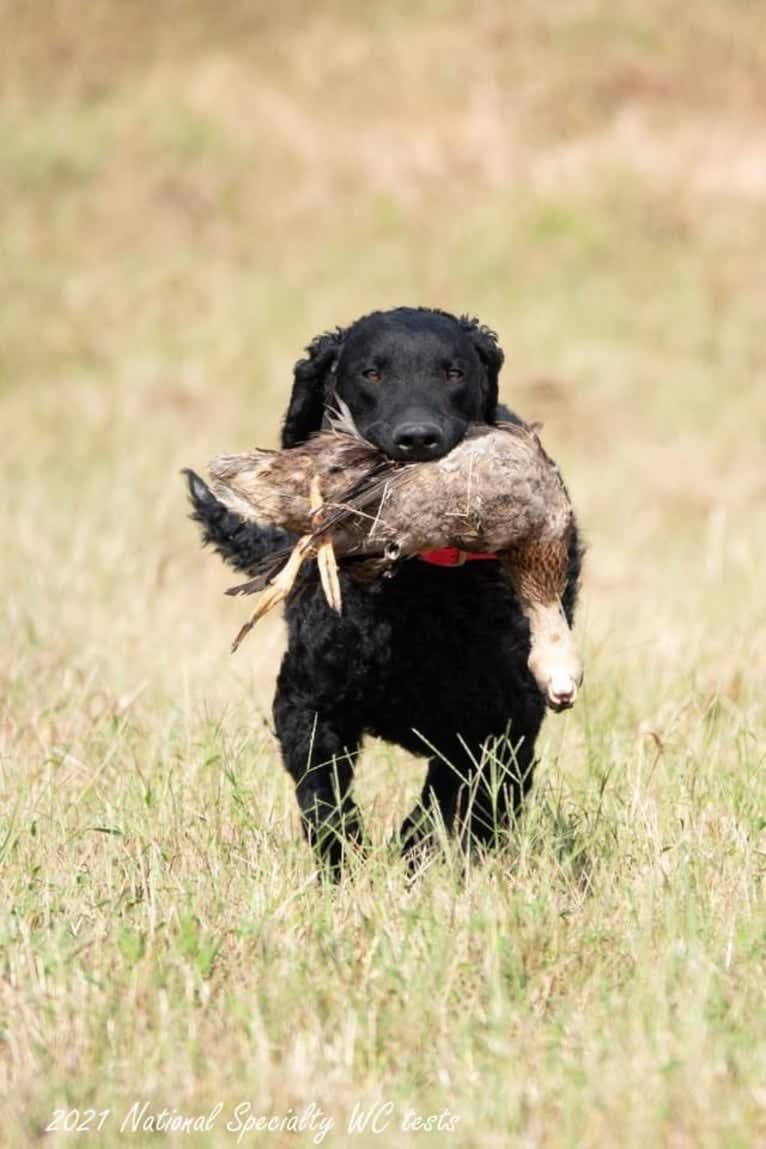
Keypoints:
pixel 561 692
pixel 419 440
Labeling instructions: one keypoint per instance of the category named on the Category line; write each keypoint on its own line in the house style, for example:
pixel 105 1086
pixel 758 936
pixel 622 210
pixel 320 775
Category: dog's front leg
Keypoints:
pixel 319 751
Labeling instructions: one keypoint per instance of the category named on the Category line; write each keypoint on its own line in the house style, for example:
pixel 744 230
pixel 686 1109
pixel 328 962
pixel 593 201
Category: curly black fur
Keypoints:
pixel 434 659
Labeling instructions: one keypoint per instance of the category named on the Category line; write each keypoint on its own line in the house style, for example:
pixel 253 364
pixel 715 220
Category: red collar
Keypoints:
pixel 452 557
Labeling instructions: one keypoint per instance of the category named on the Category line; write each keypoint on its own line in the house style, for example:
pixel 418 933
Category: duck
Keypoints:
pixel 497 494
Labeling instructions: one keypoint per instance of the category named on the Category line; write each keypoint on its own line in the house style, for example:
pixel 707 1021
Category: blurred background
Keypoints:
pixel 190 191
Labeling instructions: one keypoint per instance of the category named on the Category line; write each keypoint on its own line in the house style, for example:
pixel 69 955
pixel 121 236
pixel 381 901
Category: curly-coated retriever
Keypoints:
pixel 435 658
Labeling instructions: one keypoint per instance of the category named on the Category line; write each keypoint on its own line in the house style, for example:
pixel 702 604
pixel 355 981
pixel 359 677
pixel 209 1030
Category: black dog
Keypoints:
pixel 434 659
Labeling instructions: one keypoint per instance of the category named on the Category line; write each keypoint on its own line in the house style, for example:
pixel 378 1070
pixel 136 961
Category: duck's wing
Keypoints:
pixel 360 495
pixel 357 498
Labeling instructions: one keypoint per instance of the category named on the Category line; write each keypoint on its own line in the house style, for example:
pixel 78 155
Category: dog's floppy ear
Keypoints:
pixel 491 354
pixel 312 385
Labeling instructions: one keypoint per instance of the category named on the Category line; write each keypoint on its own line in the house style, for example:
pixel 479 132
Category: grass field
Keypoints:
pixel 188 193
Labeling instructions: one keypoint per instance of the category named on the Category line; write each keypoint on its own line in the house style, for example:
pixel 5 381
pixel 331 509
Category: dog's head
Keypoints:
pixel 413 380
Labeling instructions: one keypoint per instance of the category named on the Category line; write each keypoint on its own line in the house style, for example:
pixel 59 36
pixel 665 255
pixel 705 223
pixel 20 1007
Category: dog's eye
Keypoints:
pixel 454 374
pixel 372 375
